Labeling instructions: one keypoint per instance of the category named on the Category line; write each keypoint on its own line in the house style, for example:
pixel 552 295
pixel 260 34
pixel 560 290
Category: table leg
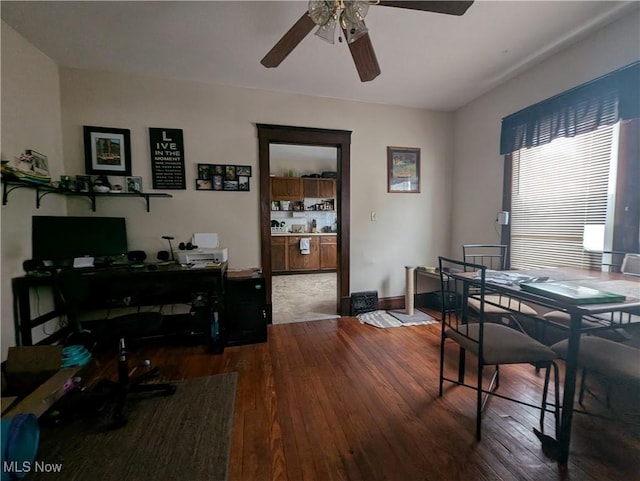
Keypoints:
pixel 570 377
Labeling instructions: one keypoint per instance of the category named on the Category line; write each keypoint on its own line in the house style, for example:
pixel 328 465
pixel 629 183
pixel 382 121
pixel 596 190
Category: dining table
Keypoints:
pixel 611 315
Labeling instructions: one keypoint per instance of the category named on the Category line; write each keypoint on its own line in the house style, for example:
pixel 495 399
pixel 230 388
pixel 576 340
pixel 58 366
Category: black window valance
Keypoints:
pixel 603 101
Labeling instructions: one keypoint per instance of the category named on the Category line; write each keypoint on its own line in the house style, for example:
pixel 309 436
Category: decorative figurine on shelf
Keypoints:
pixel 101 184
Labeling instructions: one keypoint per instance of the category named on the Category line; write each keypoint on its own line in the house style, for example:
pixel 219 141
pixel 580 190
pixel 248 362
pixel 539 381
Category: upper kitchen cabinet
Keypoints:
pixel 318 188
pixel 286 188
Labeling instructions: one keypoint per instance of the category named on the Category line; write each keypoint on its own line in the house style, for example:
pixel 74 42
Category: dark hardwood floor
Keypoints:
pixel 340 400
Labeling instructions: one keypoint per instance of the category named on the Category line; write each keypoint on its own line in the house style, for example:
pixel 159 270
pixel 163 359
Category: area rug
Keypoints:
pixel 418 317
pixel 384 319
pixel 183 436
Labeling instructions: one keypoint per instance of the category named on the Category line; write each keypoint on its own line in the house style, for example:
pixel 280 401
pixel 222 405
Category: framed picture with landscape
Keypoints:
pixel 107 151
pixel 403 164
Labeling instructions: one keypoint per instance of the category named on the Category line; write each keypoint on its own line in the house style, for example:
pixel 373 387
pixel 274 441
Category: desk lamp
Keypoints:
pixel 169 239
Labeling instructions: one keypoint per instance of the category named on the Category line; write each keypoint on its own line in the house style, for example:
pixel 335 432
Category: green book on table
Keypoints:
pixel 571 293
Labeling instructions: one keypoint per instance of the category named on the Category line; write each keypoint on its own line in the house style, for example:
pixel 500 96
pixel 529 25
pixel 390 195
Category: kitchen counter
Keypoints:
pixel 297 234
pixel 320 255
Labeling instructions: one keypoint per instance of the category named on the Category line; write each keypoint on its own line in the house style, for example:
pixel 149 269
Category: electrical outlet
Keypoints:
pixel 373 215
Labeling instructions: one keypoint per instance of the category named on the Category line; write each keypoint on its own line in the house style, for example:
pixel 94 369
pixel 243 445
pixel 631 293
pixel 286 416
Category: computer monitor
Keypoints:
pixel 61 239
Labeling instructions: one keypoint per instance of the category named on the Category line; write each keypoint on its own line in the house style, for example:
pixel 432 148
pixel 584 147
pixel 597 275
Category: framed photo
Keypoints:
pixel 39 162
pixel 107 151
pixel 244 170
pixel 230 185
pixel 205 171
pixel 83 183
pixel 403 169
pixel 134 185
pixel 218 169
pixel 204 184
pixel 218 182
pixel 230 173
pixel 243 182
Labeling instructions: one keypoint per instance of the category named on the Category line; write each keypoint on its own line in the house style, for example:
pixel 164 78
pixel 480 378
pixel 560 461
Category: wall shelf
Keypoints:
pixel 9 185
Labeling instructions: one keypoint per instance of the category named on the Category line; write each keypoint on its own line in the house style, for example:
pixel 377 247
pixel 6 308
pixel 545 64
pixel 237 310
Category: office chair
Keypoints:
pixel 493 344
pixel 108 394
pixel 498 307
pixel 115 393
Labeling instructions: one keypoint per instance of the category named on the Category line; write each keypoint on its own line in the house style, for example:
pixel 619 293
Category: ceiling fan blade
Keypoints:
pixel 288 42
pixel 450 8
pixel 364 57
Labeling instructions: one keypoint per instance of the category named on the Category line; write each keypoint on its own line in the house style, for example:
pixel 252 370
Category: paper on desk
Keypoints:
pixel 205 240
pixel 509 278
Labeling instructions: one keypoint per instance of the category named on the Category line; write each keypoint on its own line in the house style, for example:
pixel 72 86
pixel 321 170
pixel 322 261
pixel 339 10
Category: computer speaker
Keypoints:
pixel 136 256
pixel 33 265
pixel 188 246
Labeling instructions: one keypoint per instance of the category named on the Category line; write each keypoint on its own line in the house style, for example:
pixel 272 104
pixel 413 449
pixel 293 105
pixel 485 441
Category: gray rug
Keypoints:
pixel 418 317
pixel 183 436
pixel 385 319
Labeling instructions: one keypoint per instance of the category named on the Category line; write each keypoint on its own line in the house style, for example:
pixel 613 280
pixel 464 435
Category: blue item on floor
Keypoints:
pixel 76 355
pixel 20 438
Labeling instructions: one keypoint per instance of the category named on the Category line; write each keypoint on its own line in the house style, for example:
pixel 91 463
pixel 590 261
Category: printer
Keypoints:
pixel 208 251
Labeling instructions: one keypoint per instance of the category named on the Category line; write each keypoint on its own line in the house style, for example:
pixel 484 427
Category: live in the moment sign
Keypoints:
pixel 167 158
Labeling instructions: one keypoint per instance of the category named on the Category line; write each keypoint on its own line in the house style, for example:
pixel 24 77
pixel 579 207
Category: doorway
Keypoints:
pixel 311 293
pixel 341 140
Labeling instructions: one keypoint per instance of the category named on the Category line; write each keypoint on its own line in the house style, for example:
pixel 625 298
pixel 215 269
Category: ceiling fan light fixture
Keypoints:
pixel 327 32
pixel 354 12
pixel 321 11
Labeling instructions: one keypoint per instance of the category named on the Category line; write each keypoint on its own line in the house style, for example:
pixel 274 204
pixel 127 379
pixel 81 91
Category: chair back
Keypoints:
pixel 455 312
pixel 631 264
pixel 492 256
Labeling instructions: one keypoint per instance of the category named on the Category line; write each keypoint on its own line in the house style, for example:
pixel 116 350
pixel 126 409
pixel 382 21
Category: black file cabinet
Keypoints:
pixel 245 310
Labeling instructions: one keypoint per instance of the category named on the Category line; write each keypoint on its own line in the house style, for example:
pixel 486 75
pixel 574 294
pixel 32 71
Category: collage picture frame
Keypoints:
pixel 223 177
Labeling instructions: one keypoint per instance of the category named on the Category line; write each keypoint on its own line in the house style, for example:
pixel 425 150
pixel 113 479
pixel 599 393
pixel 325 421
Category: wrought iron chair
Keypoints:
pixel 494 344
pixel 498 307
pixel 611 361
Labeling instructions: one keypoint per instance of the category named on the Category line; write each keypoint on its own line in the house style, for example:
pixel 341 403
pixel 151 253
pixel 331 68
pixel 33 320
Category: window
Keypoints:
pixel 573 162
pixel 556 190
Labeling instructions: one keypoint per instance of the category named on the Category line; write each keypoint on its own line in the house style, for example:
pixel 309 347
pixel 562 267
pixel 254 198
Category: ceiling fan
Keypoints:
pixel 349 16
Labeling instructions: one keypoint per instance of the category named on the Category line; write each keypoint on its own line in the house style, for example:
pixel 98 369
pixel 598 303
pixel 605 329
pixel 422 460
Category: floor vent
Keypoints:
pixel 361 302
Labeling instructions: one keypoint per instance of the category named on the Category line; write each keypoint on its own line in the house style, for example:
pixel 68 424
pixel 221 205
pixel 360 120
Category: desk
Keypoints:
pixel 23 322
pixel 125 286
pixel 606 281
pixel 428 298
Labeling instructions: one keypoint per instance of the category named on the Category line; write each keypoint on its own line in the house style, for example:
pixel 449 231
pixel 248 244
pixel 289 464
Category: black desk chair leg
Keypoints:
pixel 126 385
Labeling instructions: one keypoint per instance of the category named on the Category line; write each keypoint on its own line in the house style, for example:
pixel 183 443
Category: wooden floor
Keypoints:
pixel 340 400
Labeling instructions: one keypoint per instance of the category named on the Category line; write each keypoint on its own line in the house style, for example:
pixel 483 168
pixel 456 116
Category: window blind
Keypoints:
pixel 557 189
pixel 582 109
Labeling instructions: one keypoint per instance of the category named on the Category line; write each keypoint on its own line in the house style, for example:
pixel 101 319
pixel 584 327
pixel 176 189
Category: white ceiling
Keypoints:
pixel 428 60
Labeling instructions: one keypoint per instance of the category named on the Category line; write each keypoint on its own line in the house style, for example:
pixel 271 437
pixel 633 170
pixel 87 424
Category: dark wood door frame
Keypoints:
pixel 341 139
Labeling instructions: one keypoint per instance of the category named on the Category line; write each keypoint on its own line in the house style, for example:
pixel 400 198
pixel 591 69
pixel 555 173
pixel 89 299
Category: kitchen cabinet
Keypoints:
pixel 286 255
pixel 318 188
pixel 328 252
pixel 279 254
pixel 303 262
pixel 286 188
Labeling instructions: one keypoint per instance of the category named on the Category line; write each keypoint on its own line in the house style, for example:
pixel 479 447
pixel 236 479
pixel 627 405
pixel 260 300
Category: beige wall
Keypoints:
pixel 219 127
pixel 30 120
pixel 478 166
